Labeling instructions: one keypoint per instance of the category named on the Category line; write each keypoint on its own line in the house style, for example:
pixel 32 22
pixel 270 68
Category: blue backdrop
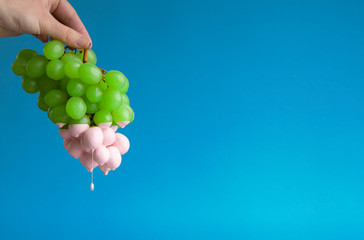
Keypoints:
pixel 249 125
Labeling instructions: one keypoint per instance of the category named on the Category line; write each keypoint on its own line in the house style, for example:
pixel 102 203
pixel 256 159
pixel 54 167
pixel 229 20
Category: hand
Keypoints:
pixel 42 18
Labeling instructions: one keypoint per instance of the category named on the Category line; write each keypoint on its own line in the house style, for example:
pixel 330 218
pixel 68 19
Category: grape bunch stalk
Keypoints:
pixel 87 103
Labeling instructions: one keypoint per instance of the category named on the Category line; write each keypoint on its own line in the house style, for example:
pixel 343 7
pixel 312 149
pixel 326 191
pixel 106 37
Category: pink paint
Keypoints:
pixel 115 158
pixel 101 155
pixel 122 124
pixel 92 186
pixel 64 133
pixel 75 149
pixel 84 147
pixel 109 136
pixel 114 127
pixel 105 169
pixel 66 143
pixel 77 129
pixel 86 161
pixel 104 125
pixel 92 138
pixel 60 124
pixel 122 143
pixel 107 145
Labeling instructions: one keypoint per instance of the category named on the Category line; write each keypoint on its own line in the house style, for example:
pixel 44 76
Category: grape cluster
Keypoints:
pixel 78 96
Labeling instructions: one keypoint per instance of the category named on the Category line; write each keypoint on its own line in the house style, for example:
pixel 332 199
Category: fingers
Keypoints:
pixel 8 33
pixel 67 15
pixel 53 28
pixel 42 38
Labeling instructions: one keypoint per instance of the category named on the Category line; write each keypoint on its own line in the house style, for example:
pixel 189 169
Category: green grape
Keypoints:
pixel 56 97
pixel 84 120
pixel 30 85
pixel 115 79
pixel 91 107
pixel 94 93
pixel 89 73
pixel 91 56
pixel 63 83
pixel 125 99
pixel 41 103
pixel 71 68
pixel 76 88
pixel 103 85
pixel 70 56
pixel 76 107
pixel 123 113
pixel 125 88
pixel 111 99
pixel 46 84
pixel 53 49
pixel 102 116
pixel 55 69
pixel 26 54
pixel 36 66
pixel 19 66
pixel 58 114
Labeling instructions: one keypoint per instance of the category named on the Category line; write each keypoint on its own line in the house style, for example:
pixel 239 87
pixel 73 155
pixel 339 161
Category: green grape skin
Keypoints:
pixel 103 85
pixel 84 120
pixel 102 116
pixel 89 73
pixel 91 107
pixel 26 54
pixel 76 88
pixel 55 69
pixel 71 68
pixel 30 85
pixel 76 107
pixel 70 56
pixel 111 99
pixel 53 50
pixel 125 99
pixel 56 97
pixel 94 93
pixel 19 67
pixel 125 88
pixel 63 83
pixel 123 113
pixel 91 56
pixel 58 114
pixel 46 84
pixel 115 79
pixel 41 103
pixel 36 66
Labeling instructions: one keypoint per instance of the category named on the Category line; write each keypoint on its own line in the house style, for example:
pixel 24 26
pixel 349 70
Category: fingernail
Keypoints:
pixel 83 42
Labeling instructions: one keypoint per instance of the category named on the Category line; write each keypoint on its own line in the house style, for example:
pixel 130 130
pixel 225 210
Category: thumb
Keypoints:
pixel 53 28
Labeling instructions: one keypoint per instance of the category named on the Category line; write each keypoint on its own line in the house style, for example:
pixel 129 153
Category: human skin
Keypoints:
pixel 42 18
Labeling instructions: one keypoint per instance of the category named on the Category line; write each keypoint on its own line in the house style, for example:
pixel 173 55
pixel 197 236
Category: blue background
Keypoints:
pixel 249 125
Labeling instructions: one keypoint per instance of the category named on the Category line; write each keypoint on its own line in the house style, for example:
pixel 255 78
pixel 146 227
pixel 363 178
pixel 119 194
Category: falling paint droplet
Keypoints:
pixel 92 187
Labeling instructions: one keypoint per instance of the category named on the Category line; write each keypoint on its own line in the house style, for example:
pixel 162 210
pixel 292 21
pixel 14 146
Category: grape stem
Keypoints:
pixel 70 48
pixel 85 56
pixel 85 60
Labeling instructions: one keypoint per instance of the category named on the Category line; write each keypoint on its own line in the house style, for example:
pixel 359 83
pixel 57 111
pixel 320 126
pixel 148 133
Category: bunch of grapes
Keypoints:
pixel 87 103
